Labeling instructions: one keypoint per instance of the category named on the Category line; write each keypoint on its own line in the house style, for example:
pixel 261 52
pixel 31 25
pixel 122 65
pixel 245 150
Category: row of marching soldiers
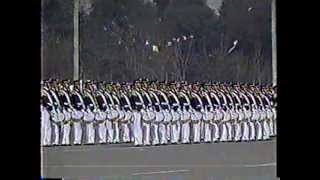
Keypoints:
pixel 155 113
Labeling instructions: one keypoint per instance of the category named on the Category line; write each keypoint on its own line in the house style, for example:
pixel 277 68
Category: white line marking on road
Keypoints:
pixel 160 172
pixel 169 165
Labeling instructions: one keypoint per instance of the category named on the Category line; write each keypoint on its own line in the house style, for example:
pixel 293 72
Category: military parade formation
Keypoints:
pixel 147 113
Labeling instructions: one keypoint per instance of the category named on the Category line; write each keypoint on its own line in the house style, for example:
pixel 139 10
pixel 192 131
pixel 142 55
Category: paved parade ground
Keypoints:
pixel 232 161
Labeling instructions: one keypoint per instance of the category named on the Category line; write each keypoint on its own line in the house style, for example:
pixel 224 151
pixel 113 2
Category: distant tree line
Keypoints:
pixel 117 39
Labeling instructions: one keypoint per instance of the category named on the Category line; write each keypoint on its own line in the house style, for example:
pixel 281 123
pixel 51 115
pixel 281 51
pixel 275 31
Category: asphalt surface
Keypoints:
pixel 243 160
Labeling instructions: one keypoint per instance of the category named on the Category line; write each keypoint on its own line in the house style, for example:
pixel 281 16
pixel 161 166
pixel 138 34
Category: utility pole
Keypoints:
pixel 42 40
pixel 76 61
pixel 274 42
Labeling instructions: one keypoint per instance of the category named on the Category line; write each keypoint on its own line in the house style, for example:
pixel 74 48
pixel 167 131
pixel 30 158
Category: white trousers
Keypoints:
pixel 237 127
pixel 202 130
pixel 185 132
pixel 266 130
pixel 137 132
pixel 270 122
pixel 146 134
pixel 46 133
pixel 102 129
pixel 196 131
pixel 77 133
pixel 125 132
pixel 110 131
pixel 163 133
pixel 216 132
pixel 246 132
pixel 90 133
pixel 131 133
pixel 117 132
pixel 56 134
pixel 155 135
pixel 66 134
pixel 229 128
pixel 174 133
pixel 252 131
pixel 259 130
pixel 224 133
pixel 168 132
pixel 207 132
pixel 275 127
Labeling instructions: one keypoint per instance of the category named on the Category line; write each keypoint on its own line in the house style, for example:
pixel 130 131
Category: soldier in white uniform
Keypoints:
pixel 46 105
pixel 77 114
pixel 56 117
